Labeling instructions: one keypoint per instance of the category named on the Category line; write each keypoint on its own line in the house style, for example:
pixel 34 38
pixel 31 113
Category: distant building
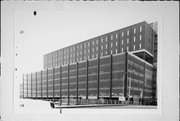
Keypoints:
pixel 105 68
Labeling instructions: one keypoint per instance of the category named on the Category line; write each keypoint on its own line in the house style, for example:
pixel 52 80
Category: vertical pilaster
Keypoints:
pixel 41 84
pixel 132 77
pixel 60 83
pixel 98 78
pixel 27 84
pixel 47 83
pixel 110 90
pixel 125 75
pixel 77 80
pixel 87 64
pixel 23 86
pixel 68 84
pixel 53 81
pixel 31 86
pixel 36 84
pixel 143 94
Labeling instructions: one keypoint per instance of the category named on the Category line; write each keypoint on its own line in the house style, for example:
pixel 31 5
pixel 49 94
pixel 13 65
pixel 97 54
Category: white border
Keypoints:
pixel 169 104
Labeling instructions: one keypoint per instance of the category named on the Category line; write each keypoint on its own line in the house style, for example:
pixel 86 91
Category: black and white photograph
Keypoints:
pixel 74 58
pixel 99 60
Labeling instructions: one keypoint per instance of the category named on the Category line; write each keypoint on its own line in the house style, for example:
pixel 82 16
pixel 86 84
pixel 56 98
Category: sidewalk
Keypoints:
pixel 87 106
pixel 108 106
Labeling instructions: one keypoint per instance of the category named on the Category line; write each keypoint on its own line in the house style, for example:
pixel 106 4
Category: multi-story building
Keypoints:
pixel 138 38
pixel 154 26
pixel 105 68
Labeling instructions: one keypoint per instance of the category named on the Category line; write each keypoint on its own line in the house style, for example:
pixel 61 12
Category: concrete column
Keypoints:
pixel 98 78
pixel 68 84
pixel 41 84
pixel 60 84
pixel 47 83
pixel 110 91
pixel 36 84
pixel 53 81
pixel 27 84
pixel 77 80
pixel 23 86
pixel 87 64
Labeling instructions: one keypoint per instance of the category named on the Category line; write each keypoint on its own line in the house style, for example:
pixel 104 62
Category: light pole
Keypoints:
pixel 123 75
pixel 132 71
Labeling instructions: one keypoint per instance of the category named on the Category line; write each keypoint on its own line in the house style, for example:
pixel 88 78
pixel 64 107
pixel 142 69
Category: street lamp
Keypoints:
pixel 123 74
pixel 132 71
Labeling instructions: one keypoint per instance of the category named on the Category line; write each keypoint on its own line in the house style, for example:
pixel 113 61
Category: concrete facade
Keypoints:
pixel 132 38
pixel 115 65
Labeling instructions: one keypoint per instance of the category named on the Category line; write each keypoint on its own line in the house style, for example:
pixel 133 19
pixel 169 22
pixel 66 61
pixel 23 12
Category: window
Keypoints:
pixel 96 48
pixel 111 52
pixel 127 48
pixel 101 54
pixel 97 41
pixel 84 45
pixel 106 53
pixel 88 50
pixel 134 47
pixel 127 40
pixel 140 37
pixel 111 37
pixel 101 40
pixel 134 30
pixel 140 46
pixel 122 34
pixel 101 47
pixel 88 44
pixel 140 28
pixel 93 43
pixel 116 50
pixel 116 36
pixel 96 55
pixel 121 49
pixel 127 32
pixel 106 39
pixel 93 50
pixel 122 42
pixel 116 43
pixel 134 39
pixel 111 45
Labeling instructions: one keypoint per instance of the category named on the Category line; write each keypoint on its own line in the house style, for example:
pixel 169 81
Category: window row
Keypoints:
pixel 93 55
pixel 140 29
